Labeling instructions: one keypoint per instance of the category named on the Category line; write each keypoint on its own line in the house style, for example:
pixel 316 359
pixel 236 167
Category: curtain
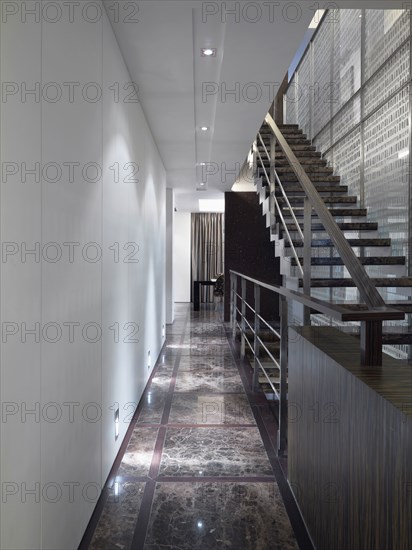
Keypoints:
pixel 207 241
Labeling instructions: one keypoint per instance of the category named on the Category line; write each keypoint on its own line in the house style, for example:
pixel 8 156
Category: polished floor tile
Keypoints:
pixel 210 409
pixel 139 453
pixel 214 452
pixel 211 483
pixel 161 380
pixel 211 516
pixel 152 410
pixel 118 520
pixel 207 364
pixel 198 381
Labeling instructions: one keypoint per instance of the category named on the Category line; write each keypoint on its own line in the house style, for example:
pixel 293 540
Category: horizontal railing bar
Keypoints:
pixel 269 326
pixel 249 325
pixel 279 210
pixel 289 205
pixel 268 379
pixel 249 344
pixel 367 290
pixel 268 352
pixel 333 310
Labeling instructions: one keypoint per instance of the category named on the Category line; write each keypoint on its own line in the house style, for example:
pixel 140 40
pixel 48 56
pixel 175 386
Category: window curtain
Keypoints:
pixel 207 241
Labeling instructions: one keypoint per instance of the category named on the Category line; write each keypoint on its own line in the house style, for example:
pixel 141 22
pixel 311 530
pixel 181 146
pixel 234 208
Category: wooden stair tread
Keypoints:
pixel 364 260
pixel 344 226
pixel 300 155
pixel 346 282
pixel 291 176
pixel 402 305
pixel 320 187
pixel 352 242
pixel 342 199
pixel 341 212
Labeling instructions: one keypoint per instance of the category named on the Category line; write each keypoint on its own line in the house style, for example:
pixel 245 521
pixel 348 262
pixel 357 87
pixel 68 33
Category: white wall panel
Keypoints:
pixel 20 223
pixel 182 256
pixel 122 293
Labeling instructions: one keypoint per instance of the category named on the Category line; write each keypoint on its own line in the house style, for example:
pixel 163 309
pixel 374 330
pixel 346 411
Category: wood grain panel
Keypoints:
pixel 350 443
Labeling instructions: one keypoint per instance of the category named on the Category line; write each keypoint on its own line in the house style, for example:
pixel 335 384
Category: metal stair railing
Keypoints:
pixel 239 321
pixel 272 197
pixel 371 329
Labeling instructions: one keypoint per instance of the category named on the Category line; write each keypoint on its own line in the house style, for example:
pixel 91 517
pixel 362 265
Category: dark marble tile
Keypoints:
pixel 161 380
pixel 118 520
pixel 207 364
pixel 139 453
pixel 152 410
pixel 214 452
pixel 200 381
pixel 199 350
pixel 165 361
pixel 206 329
pixel 211 409
pixel 216 342
pixel 211 516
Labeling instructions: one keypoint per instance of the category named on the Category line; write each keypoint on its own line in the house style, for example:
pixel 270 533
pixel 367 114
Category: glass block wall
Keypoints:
pixel 351 96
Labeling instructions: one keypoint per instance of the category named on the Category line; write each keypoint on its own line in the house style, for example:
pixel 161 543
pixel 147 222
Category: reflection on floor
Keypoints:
pixel 196 474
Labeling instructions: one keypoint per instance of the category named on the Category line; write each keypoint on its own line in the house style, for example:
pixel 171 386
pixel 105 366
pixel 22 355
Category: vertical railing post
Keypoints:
pixel 233 280
pixel 255 161
pixel 283 386
pixel 371 343
pixel 307 253
pixel 256 344
pixel 242 322
pixel 232 299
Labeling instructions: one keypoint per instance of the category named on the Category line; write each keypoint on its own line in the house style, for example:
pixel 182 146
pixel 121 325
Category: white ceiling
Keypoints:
pixel 163 53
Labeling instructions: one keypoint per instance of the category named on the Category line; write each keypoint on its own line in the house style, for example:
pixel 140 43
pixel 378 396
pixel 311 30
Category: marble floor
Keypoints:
pixel 200 470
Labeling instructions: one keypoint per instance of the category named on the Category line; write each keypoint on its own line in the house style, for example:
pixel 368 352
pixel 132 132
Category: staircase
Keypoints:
pixel 330 280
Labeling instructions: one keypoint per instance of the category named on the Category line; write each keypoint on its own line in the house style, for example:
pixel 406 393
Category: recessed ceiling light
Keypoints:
pixel 204 128
pixel 208 52
pixel 201 183
pixel 203 164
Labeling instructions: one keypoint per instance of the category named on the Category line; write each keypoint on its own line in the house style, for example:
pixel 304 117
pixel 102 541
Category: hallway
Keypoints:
pixel 199 470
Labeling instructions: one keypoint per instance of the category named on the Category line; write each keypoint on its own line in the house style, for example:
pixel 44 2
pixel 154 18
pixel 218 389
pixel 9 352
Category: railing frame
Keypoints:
pixel 372 317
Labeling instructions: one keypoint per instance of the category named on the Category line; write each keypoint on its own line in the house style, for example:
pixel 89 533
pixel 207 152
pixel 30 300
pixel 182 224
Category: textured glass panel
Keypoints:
pixel 322 141
pixel 323 86
pixel 347 118
pixel 347 56
pixel 346 161
pixel 304 94
pixel 291 100
pixel 385 32
pixel 388 79
pixel 387 174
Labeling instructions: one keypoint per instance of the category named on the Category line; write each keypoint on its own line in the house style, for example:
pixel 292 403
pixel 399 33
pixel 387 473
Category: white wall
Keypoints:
pixel 170 214
pixel 181 256
pixel 61 447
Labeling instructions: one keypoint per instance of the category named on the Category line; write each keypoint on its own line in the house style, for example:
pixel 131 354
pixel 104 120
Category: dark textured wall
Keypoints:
pixel 248 249
pixel 349 443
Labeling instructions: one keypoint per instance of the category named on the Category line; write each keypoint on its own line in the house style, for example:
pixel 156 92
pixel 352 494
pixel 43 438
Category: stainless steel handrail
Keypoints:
pixel 273 196
pixel 337 311
pixel 282 190
pixel 367 290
